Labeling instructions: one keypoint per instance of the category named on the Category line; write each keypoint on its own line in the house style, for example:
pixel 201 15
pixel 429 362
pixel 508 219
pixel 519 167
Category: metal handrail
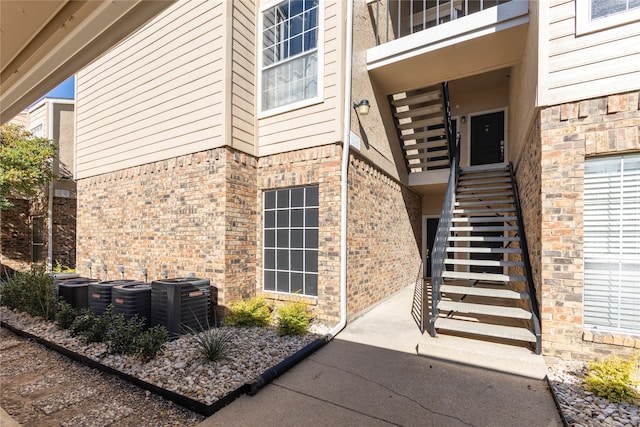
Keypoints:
pixel 409 17
pixel 533 298
pixel 441 242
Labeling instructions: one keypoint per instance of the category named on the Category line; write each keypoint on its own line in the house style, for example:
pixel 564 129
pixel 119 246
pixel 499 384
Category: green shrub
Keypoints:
pixel 65 314
pixel 31 292
pixel 294 318
pixel 61 268
pixel 214 343
pixel 252 312
pixel 151 342
pixel 89 327
pixel 123 335
pixel 614 379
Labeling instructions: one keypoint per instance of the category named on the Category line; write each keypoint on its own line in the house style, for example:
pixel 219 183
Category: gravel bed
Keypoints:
pixel 582 408
pixel 180 367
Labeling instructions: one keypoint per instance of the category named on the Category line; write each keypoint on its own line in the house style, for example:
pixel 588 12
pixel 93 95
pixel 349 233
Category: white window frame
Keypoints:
pixel 320 64
pixel 37 129
pixel 585 25
pixel 609 246
pixel 304 249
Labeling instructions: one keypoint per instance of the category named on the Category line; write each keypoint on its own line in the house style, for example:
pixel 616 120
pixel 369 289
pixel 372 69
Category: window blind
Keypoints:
pixel 612 244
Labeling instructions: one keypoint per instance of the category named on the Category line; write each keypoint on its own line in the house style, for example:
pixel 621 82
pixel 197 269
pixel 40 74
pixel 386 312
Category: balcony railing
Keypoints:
pixel 399 18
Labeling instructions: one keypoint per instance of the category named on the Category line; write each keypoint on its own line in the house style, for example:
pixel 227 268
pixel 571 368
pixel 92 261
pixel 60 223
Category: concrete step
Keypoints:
pixel 484 309
pixel 484 292
pixel 476 328
pixel 483 262
pixel 490 277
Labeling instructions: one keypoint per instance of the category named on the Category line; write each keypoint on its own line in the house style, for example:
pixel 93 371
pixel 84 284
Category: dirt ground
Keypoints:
pixel 39 387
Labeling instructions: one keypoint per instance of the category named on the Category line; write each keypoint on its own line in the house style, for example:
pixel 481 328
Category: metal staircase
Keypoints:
pixel 483 285
pixel 423 121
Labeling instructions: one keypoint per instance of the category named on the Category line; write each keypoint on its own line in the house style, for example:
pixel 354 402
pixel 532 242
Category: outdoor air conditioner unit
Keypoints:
pixel 180 304
pixel 132 299
pixel 100 294
pixel 75 291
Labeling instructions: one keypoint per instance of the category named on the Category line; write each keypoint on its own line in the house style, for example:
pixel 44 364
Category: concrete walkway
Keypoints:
pixel 381 371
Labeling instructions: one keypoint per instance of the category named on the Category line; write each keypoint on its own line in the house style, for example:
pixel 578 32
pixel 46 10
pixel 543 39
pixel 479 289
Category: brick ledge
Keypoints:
pixel 620 340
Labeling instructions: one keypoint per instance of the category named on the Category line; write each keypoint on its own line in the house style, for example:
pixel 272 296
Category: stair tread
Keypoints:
pixel 483 195
pixel 480 229
pixel 487 188
pixel 496 218
pixel 483 262
pixel 477 328
pixel 483 250
pixel 422 111
pixel 417 99
pixel 493 277
pixel 419 124
pixel 484 211
pixel 486 202
pixel 484 292
pixel 486 309
pixel 474 183
pixel 483 239
pixel 484 169
pixel 426 134
pixel 431 163
pixel 429 155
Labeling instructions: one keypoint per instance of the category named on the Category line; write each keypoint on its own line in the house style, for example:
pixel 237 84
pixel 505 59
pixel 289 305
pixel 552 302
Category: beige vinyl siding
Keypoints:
pixel 320 123
pixel 157 95
pixel 595 64
pixel 243 75
pixel 38 116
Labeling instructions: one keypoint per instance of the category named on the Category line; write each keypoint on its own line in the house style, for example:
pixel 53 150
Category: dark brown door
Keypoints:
pixel 487 138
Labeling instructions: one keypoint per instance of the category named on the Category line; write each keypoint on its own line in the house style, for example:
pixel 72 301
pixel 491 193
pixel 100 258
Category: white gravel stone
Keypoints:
pixel 180 367
pixel 581 407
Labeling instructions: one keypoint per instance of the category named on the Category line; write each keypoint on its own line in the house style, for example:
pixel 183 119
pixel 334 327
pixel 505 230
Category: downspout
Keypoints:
pixel 49 121
pixel 344 175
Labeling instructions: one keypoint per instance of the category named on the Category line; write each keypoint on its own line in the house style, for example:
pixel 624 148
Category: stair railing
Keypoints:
pixel 446 108
pixel 441 242
pixel 533 298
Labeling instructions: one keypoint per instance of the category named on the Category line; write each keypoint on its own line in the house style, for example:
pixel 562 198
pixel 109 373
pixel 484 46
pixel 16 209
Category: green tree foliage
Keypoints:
pixel 25 163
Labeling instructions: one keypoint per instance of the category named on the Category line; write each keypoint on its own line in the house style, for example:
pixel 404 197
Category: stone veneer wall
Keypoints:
pixel 193 213
pixel 384 235
pixel 313 166
pixel 570 132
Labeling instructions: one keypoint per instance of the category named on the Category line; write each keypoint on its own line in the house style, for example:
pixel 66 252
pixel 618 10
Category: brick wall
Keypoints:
pixel 64 231
pixel 16 235
pixel 569 132
pixel 384 235
pixel 172 215
pixel 528 175
pixel 313 166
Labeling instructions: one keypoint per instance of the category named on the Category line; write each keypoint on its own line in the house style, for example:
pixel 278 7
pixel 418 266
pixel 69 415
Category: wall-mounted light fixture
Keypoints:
pixel 463 119
pixel 362 107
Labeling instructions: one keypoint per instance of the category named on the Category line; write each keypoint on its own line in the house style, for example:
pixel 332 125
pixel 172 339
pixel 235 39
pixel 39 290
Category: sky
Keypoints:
pixel 66 90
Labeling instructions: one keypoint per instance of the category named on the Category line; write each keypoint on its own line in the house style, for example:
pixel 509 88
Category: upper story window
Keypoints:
pixel 290 57
pixel 37 131
pixel 596 15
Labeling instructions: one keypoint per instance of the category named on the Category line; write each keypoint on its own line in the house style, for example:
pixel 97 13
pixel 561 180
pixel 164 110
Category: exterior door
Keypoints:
pixel 487 138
